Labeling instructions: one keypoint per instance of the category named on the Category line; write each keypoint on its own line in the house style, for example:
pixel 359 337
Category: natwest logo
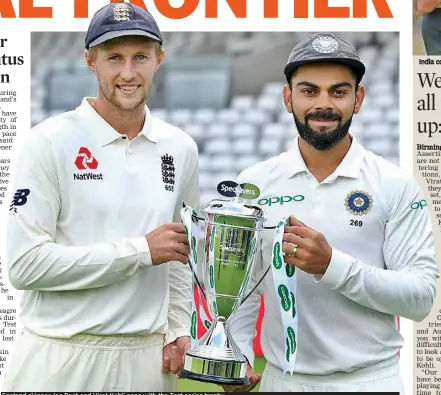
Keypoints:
pixel 85 160
pixel 88 176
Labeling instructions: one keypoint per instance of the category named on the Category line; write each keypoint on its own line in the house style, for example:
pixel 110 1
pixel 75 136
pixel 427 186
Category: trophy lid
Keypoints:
pixel 235 208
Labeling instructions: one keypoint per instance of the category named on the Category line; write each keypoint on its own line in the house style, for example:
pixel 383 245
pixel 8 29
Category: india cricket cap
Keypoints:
pixel 121 19
pixel 324 47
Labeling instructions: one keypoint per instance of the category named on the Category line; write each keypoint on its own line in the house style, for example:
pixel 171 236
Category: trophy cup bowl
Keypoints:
pixel 231 236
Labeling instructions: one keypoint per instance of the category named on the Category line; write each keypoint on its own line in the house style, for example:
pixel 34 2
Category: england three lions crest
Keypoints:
pixel 168 172
pixel 121 12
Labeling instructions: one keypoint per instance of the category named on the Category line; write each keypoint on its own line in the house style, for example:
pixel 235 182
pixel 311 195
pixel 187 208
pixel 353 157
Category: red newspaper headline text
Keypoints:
pixel 321 8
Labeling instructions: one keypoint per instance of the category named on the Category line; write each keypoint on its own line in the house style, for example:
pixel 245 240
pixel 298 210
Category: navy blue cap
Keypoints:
pixel 324 47
pixel 121 19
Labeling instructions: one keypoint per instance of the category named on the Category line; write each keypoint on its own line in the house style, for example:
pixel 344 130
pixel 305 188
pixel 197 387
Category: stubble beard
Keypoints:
pixel 123 109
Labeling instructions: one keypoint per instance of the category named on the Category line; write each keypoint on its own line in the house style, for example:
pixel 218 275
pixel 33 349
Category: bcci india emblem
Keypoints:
pixel 359 202
pixel 121 12
pixel 325 44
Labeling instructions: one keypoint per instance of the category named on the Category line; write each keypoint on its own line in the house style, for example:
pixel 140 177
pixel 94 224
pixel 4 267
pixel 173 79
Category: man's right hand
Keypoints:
pixel 168 243
pixel 254 380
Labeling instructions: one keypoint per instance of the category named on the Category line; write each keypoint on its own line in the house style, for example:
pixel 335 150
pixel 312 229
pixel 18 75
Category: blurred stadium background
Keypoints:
pixel 225 90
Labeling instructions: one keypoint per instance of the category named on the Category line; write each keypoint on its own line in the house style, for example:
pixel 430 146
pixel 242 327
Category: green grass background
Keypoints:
pixel 186 385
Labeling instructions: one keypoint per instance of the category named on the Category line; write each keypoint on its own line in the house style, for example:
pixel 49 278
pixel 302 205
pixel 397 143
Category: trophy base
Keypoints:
pixel 217 366
pixel 216 359
pixel 185 374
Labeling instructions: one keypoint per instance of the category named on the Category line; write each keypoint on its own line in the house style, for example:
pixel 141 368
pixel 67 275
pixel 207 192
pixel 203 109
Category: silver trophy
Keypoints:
pixel 231 236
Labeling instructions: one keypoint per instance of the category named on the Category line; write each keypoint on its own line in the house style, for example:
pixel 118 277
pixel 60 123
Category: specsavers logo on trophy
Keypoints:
pixel 232 234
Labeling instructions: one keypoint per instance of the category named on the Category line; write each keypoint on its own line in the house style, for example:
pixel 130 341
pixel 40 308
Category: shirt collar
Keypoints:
pixel 104 133
pixel 349 167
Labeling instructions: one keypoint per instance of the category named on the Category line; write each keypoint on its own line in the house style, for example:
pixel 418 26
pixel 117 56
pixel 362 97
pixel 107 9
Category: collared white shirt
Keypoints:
pixel 382 263
pixel 86 197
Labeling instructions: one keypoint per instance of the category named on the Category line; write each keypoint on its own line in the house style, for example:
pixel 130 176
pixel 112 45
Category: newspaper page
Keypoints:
pixel 426 149
pixel 222 82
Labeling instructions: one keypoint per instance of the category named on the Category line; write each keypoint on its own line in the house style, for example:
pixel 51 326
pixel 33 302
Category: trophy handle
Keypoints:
pixel 197 280
pixel 191 266
pixel 258 283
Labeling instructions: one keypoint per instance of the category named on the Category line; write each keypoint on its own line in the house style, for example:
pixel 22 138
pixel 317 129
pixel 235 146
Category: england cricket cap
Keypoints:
pixel 121 19
pixel 324 47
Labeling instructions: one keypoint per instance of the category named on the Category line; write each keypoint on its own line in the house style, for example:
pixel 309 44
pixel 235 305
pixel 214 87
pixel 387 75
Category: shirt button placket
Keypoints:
pixel 131 164
pixel 127 152
pixel 320 201
pixel 313 186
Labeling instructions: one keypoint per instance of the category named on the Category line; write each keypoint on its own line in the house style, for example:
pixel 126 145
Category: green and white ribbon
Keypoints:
pixel 214 239
pixel 192 232
pixel 284 278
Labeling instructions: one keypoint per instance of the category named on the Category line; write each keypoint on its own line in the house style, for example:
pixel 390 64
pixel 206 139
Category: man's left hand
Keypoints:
pixel 313 252
pixel 173 354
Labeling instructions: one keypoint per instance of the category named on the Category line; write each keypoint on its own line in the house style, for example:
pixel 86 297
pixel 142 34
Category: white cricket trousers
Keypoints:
pixel 369 379
pixel 88 363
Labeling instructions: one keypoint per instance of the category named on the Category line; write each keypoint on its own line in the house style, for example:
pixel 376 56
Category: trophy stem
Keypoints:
pixel 216 359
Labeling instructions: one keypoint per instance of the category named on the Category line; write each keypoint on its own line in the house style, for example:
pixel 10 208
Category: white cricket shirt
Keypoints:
pixel 86 196
pixel 382 262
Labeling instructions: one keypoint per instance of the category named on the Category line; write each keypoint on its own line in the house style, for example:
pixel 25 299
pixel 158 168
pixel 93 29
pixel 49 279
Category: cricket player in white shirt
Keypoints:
pixel 94 236
pixel 359 240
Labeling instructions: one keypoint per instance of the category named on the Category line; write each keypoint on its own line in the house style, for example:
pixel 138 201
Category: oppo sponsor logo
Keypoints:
pixel 418 205
pixel 280 200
